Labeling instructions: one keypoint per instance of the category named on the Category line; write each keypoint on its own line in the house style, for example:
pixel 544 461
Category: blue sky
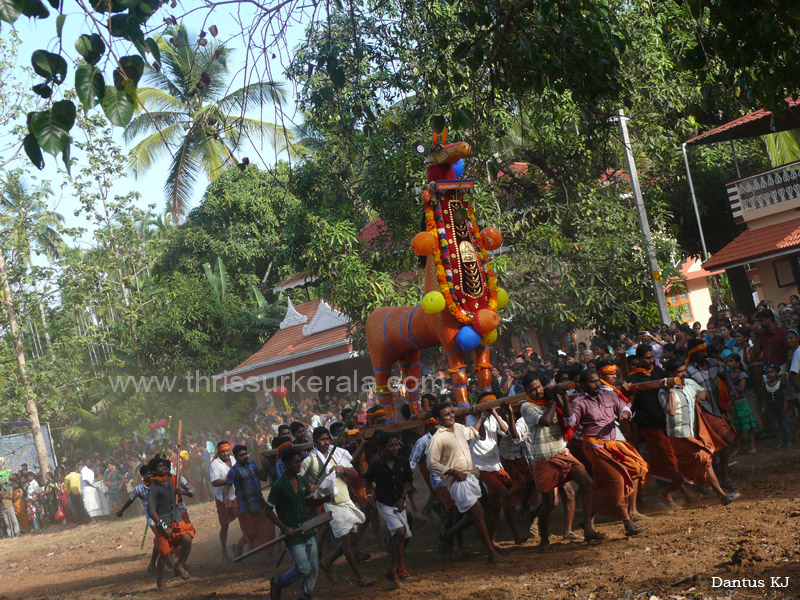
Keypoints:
pixel 41 34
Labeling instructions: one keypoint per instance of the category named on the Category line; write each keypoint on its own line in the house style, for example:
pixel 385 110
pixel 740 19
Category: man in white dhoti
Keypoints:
pixel 346 516
pixel 450 458
pixel 89 493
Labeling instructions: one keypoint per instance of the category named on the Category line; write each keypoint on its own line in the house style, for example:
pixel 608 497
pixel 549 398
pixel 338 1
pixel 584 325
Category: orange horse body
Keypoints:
pixel 398 333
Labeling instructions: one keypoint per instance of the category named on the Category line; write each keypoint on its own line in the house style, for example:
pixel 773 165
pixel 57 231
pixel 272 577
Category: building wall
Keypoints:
pixel 699 299
pixel 770 286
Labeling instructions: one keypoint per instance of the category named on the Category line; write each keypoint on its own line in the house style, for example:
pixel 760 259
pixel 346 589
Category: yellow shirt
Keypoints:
pixel 450 450
pixel 73 483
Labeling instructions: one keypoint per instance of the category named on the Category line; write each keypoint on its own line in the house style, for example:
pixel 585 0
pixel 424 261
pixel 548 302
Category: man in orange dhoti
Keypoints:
pixel 617 466
pixel 548 421
pixel 688 433
pixel 651 424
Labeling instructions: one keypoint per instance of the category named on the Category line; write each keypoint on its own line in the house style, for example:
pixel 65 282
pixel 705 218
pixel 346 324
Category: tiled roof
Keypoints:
pixel 373 230
pixel 754 124
pixel 291 341
pixel 692 268
pixel 757 243
pixel 299 280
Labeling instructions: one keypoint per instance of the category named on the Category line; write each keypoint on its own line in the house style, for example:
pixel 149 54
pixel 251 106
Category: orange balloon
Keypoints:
pixel 423 243
pixel 491 238
pixel 485 321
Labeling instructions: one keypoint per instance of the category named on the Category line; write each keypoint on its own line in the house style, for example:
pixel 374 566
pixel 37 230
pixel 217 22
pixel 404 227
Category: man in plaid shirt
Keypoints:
pixel 246 477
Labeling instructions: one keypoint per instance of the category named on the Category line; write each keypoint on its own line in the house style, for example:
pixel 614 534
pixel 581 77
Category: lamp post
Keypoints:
pixel 655 271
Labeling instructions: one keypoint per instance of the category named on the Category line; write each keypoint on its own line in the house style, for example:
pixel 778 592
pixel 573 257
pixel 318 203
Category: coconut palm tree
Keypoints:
pixel 189 114
pixel 30 226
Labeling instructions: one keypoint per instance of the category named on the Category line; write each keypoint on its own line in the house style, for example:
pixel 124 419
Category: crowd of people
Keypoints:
pixel 596 423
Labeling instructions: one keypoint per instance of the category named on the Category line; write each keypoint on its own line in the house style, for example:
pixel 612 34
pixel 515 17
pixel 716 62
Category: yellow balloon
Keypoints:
pixel 490 338
pixel 433 302
pixel 502 298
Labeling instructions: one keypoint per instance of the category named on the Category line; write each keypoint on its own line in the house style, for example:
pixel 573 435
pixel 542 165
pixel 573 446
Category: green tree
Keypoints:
pixel 33 228
pixel 188 115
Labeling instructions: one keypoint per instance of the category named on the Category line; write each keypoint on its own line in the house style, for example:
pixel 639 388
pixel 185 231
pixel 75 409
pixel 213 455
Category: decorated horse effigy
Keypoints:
pixel 459 309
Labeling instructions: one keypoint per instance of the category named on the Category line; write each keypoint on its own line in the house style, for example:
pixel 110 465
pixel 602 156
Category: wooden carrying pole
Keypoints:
pixel 178 467
pixel 368 432
pixel 306 526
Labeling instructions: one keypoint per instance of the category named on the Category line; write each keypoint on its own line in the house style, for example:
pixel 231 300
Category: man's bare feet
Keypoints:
pixel 328 569
pixel 544 546
pixel 151 569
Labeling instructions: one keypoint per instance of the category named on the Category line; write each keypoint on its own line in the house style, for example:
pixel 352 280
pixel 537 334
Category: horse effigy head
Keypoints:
pixel 447 154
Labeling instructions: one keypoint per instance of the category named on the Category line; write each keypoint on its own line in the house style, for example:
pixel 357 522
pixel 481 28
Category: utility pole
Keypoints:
pixel 655 272
pixel 694 201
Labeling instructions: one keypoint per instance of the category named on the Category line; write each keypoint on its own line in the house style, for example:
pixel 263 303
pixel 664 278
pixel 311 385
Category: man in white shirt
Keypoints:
pixel 89 494
pixel 226 512
pixel 450 458
pixel 486 458
pixel 326 466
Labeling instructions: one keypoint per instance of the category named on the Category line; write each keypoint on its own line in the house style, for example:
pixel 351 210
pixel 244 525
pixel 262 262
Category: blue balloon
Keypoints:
pixel 468 338
pixel 458 167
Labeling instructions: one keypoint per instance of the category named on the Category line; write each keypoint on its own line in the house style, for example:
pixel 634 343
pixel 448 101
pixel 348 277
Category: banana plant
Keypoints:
pixel 217 279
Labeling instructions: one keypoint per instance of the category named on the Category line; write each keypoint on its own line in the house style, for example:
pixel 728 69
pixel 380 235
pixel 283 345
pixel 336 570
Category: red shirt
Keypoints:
pixel 773 346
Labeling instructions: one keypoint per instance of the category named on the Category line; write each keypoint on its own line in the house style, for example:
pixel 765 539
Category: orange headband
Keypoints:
pixel 608 370
pixel 223 447
pixel 284 445
pixel 431 421
pixel 698 348
pixel 378 413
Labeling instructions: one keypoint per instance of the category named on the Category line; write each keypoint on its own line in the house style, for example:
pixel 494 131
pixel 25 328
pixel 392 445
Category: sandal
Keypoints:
pixel 730 498
pixel 635 530
pixel 403 573
pixel 595 537
pixel 393 578
pixel 495 558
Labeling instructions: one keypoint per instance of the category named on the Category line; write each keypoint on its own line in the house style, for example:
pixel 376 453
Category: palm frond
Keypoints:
pixel 252 96
pixel 163 79
pixel 783 147
pixel 214 157
pixel 152 148
pixel 245 129
pixel 183 174
pixel 156 100
pixel 155 122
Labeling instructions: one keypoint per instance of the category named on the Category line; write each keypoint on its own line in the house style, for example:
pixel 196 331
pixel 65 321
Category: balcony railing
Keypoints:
pixel 764 189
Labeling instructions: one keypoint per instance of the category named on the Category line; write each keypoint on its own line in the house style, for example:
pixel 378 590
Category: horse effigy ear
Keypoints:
pixel 435 138
pixel 444 136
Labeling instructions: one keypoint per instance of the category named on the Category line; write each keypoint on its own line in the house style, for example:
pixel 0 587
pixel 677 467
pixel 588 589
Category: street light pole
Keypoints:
pixel 694 202
pixel 655 271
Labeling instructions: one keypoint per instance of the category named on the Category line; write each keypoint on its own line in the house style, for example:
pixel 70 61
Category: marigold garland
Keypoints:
pixel 445 285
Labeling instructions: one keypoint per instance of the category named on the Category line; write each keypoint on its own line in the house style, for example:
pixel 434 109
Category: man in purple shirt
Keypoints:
pixel 617 466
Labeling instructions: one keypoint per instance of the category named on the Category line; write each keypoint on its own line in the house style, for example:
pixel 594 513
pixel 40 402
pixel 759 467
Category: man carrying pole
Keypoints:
pixel 331 465
pixel 286 508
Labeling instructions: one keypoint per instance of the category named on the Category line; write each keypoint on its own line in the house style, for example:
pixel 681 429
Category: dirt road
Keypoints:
pixel 756 538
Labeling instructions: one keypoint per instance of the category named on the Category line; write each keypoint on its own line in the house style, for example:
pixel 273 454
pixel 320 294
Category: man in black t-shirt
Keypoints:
pixel 651 423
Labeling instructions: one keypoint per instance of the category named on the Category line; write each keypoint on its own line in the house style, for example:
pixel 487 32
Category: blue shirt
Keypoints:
pixel 418 453
pixel 141 491
pixel 246 479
